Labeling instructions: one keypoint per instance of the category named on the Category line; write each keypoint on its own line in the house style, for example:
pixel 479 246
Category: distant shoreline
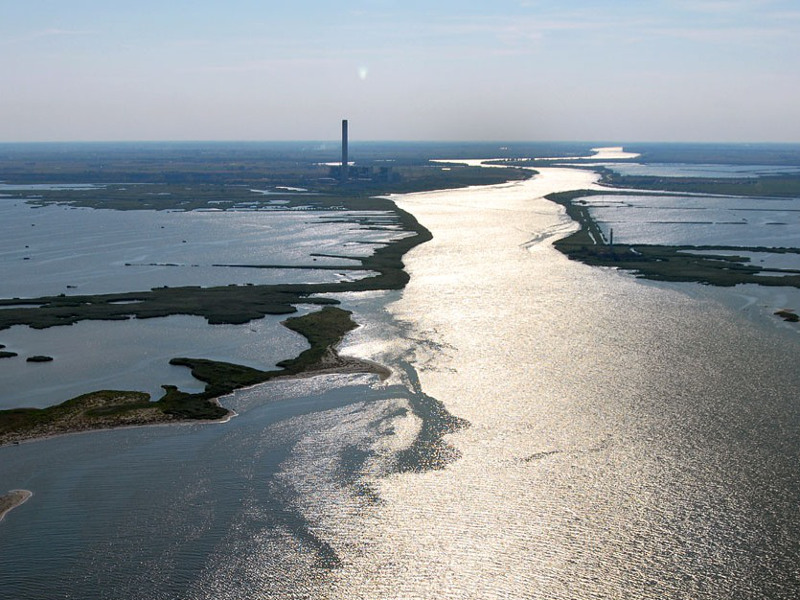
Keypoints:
pixel 660 262
pixel 107 409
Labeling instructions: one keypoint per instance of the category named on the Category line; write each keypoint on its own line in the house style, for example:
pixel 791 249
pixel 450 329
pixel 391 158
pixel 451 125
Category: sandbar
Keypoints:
pixel 12 500
pixel 107 409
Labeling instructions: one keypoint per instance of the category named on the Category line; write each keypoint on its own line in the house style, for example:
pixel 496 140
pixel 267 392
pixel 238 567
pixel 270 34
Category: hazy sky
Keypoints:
pixel 605 70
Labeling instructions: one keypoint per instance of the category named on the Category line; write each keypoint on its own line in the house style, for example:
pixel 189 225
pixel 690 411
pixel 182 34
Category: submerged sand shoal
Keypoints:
pixel 106 409
pixel 76 420
pixel 606 417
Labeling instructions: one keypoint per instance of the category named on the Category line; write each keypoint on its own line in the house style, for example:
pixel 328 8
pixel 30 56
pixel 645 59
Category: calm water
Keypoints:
pixel 625 440
pixel 699 220
pixel 694 170
pixel 131 355
pixel 55 249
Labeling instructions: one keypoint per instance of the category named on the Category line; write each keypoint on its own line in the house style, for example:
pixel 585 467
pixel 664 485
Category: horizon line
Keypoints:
pixel 397 141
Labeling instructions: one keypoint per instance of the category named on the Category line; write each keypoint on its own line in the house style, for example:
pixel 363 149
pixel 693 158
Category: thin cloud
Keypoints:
pixel 515 36
pixel 52 32
pixel 264 65
pixel 726 35
pixel 786 15
pixel 55 31
pixel 725 7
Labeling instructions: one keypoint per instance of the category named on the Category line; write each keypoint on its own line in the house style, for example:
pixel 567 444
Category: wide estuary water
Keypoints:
pixel 621 439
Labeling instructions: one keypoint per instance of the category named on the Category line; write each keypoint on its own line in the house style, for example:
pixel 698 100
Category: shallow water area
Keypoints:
pixel 697 220
pixel 54 249
pixel 619 433
pixel 788 261
pixel 758 303
pixel 132 355
pixel 229 496
pixel 716 171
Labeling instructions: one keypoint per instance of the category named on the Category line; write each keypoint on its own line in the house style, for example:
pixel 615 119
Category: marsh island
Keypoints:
pixel 262 181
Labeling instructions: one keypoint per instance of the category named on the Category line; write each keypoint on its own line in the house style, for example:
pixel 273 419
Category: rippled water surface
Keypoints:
pixel 619 440
pixel 54 249
pixel 716 171
pixel 698 220
pixel 626 440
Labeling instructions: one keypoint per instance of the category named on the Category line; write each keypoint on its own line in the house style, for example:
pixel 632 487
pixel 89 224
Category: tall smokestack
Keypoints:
pixel 345 164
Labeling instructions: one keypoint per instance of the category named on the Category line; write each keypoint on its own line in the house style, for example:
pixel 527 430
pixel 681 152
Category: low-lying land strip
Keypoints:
pixel 775 186
pixel 323 329
pixel 11 500
pixel 665 263
pixel 127 183
pixel 229 304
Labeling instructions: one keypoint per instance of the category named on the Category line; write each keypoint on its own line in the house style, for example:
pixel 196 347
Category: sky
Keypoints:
pixel 515 70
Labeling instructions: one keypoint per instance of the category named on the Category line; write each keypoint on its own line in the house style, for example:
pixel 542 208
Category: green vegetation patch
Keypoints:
pixel 99 410
pixel 96 410
pixel 788 315
pixel 663 263
pixel 778 186
pixel 323 330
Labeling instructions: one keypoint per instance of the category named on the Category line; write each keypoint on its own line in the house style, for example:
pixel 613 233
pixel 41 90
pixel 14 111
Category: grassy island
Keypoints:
pixel 665 263
pixel 104 409
pixel 178 177
pixel 11 500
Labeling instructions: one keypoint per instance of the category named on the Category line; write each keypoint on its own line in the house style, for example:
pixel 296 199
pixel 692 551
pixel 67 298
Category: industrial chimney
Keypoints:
pixel 345 164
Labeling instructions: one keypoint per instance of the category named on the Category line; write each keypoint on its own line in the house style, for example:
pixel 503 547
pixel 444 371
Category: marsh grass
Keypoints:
pixel 98 410
pixel 664 263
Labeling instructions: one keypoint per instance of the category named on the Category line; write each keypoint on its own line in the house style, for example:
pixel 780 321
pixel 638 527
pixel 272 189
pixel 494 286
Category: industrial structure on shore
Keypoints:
pixel 345 172
pixel 345 163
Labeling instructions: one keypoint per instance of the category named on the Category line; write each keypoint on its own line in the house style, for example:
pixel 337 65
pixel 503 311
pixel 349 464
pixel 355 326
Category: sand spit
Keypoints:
pixel 12 500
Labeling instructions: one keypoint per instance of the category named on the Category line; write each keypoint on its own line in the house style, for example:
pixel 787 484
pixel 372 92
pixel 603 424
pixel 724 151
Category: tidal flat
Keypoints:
pixel 705 239
pixel 549 430
pixel 104 409
pixel 255 206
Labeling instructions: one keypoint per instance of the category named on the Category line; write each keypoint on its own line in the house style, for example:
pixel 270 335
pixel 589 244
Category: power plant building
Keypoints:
pixel 345 172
